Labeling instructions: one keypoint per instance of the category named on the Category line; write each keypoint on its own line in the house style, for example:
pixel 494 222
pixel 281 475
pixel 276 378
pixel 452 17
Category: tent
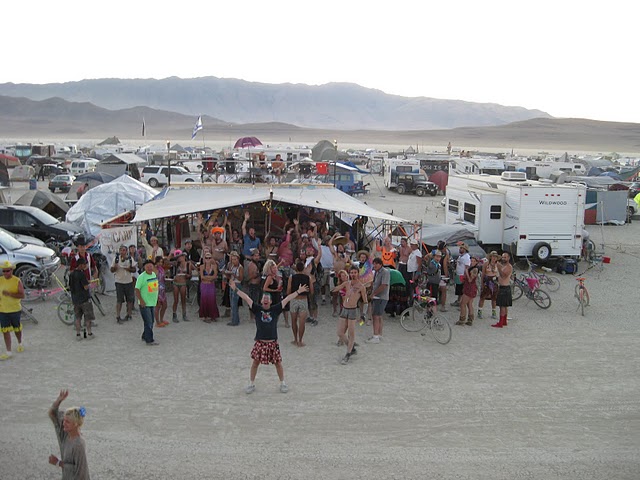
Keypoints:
pixel 182 201
pixel 108 200
pixel 110 141
pixel 44 200
pixel 325 151
pixel 23 173
pixel 440 178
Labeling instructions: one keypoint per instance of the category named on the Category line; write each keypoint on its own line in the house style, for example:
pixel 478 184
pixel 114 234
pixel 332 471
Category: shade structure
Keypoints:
pixel 44 200
pixel 97 177
pixel 185 200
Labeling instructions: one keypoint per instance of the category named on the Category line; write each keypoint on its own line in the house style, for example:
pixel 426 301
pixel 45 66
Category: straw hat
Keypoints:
pixel 414 242
pixel 340 240
pixel 363 252
pixel 7 264
pixel 494 254
pixel 463 245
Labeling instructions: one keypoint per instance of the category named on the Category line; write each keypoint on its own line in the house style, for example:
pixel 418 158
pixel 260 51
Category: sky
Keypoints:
pixel 575 59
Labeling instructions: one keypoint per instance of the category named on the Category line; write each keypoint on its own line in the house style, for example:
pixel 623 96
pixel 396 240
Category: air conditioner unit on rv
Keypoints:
pixel 514 176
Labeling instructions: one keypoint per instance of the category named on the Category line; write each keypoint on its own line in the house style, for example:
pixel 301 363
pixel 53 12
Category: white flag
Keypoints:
pixel 197 127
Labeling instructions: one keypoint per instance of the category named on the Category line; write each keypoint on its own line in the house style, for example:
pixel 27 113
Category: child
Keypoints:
pixel 266 349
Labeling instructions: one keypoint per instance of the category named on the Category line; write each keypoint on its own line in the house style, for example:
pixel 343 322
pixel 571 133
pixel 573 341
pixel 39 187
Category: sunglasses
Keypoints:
pixel 5 270
pixel 208 257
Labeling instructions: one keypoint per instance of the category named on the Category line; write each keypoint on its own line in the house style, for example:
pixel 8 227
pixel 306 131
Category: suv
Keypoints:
pixel 156 175
pixel 25 256
pixel 34 222
pixel 415 183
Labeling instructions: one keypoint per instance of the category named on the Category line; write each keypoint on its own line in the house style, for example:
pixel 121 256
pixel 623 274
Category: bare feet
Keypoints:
pixel 301 344
pixel 294 342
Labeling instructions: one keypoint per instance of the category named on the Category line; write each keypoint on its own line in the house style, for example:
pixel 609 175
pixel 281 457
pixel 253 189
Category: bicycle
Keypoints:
pixel 28 315
pixel 423 314
pixel 545 280
pixel 31 295
pixel 582 294
pixel 530 288
pixel 65 310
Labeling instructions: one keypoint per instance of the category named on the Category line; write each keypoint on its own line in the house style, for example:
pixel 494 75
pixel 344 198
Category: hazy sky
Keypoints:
pixel 568 58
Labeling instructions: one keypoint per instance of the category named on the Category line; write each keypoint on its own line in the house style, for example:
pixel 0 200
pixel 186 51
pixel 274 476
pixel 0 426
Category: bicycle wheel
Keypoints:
pixel 541 298
pixel 516 291
pixel 27 315
pixel 66 313
pixel 419 311
pixel 33 278
pixel 440 329
pixel 96 301
pixel 412 322
pixel 552 283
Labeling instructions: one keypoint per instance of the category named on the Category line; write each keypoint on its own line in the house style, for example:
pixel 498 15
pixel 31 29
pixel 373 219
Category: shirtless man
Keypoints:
pixel 504 289
pixel 355 292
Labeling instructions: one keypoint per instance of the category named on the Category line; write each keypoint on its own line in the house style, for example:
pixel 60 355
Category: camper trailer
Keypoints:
pixel 524 217
pixel 476 166
pixel 395 166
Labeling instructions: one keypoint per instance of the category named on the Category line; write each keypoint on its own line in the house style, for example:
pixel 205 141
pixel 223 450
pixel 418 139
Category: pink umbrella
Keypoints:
pixel 247 142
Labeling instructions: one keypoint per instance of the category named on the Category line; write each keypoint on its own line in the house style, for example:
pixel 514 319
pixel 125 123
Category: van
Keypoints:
pixel 78 167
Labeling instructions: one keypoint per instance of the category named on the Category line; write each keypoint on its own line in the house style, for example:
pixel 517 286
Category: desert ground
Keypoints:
pixel 555 395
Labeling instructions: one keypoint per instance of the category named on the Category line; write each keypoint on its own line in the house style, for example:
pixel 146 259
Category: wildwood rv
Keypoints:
pixel 524 217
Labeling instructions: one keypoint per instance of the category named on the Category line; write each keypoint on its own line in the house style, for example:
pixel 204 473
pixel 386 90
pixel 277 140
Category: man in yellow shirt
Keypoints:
pixel 11 291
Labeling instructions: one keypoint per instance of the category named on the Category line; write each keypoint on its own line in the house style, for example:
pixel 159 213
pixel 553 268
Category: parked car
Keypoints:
pixel 29 240
pixel 415 183
pixel 25 256
pixel 61 182
pixel 156 175
pixel 32 221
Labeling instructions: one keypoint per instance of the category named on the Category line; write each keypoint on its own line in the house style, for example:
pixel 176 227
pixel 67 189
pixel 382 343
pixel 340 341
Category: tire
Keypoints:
pixel 541 252
pixel 440 329
pixel 153 183
pixel 577 293
pixel 541 298
pixel 66 313
pixel 418 312
pixel 400 189
pixel 434 193
pixel 585 300
pixel 409 323
pixel 420 192
pixel 32 277
pixel 53 190
pixel 27 315
pixel 552 283
pixel 516 291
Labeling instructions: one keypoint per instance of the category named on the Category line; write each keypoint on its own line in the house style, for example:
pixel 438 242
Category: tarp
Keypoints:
pixel 108 200
pixel 181 201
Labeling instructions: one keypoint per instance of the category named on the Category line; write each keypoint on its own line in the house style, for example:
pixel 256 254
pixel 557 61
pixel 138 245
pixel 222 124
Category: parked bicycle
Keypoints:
pixel 552 283
pixel 582 294
pixel 36 277
pixel 423 314
pixel 27 314
pixel 530 288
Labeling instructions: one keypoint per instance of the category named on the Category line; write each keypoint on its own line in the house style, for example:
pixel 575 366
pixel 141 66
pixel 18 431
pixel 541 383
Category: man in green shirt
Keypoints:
pixel 147 295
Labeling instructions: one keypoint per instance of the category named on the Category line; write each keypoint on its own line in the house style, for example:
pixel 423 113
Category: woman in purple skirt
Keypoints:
pixel 208 275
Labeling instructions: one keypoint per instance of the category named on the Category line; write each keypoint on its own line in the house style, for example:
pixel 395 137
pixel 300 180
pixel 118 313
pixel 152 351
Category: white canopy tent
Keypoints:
pixel 181 201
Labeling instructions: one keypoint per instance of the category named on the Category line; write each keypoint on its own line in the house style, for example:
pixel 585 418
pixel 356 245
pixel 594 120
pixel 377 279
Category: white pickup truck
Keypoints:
pixel 156 175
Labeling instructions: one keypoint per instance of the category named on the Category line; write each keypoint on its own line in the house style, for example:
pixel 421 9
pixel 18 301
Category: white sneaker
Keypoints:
pixel 373 340
pixel 284 388
pixel 250 389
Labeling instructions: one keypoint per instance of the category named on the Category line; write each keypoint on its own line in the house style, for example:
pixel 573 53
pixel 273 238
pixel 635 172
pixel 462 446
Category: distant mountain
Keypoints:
pixel 54 118
pixel 336 106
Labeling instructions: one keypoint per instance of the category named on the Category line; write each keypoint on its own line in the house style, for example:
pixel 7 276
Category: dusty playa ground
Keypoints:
pixel 553 396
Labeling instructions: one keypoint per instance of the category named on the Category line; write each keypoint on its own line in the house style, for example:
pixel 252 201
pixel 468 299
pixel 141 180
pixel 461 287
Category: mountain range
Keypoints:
pixel 114 107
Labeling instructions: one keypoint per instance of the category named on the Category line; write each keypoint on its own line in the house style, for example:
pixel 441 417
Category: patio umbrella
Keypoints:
pixel 9 160
pixel 247 142
pixel 44 200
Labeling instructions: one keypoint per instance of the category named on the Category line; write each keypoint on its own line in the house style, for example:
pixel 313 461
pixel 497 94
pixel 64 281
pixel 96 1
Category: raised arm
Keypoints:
pixel 244 223
pixel 53 411
pixel 241 294
pixel 288 298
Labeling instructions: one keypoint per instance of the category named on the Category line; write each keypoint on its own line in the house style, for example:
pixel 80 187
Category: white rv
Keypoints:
pixel 535 169
pixel 476 166
pixel 524 217
pixel 395 166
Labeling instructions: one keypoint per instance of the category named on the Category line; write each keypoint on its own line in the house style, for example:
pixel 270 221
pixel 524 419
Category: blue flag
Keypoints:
pixel 197 127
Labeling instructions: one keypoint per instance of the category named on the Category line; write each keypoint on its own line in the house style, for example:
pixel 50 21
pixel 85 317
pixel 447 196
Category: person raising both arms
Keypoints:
pixel 266 349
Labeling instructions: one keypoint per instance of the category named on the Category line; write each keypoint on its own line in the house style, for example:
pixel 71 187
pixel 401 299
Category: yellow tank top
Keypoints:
pixel 9 304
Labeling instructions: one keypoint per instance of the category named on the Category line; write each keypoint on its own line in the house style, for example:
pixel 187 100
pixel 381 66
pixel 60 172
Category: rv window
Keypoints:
pixel 496 212
pixel 469 214
pixel 453 206
pixel 403 169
